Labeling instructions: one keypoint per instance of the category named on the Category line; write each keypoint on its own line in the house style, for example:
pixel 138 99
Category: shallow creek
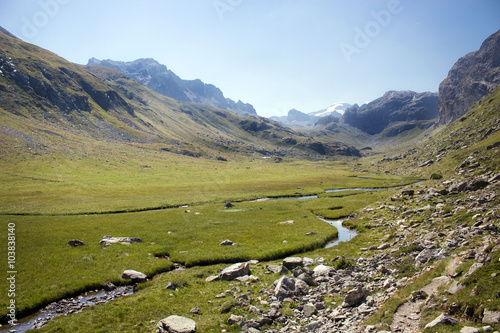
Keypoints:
pixel 89 299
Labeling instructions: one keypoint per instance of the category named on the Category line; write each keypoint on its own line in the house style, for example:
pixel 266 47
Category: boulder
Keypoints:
pixel 109 286
pixel 277 269
pixel 322 270
pixel 226 243
pixel 288 287
pixel 455 287
pixel 292 262
pixel 355 297
pixel 234 319
pixel 284 287
pixel 307 278
pixel 444 318
pixel 309 310
pixel 427 255
pixel 212 278
pixel 75 243
pixel 228 205
pixel 234 271
pixel 384 246
pixel 135 276
pixel 491 317
pixel 176 324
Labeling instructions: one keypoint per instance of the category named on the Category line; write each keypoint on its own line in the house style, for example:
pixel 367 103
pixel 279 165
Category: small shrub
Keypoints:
pixel 436 176
pixel 343 263
pixel 227 306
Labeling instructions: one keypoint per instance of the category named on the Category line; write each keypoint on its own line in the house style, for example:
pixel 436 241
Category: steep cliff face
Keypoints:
pixel 162 80
pixel 472 77
pixel 394 106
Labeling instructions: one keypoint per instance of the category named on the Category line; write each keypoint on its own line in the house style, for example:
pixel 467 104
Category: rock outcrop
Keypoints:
pixel 394 106
pixel 162 80
pixel 472 77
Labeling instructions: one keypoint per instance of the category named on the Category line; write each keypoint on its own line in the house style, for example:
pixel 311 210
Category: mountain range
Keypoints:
pixel 47 101
pixel 144 101
pixel 162 80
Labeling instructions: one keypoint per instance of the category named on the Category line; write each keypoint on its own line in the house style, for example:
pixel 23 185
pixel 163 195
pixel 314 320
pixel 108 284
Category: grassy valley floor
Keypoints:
pixel 52 200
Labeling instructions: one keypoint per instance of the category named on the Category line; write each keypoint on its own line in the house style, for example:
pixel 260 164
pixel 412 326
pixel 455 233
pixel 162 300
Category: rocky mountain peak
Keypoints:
pixel 393 106
pixel 472 77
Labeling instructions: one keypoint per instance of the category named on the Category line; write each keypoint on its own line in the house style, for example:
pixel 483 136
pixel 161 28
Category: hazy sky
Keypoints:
pixel 274 54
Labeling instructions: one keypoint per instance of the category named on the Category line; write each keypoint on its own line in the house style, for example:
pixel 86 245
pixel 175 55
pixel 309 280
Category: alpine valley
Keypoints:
pixel 136 201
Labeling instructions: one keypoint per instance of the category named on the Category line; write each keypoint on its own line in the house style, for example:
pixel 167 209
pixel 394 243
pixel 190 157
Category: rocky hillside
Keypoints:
pixel 432 264
pixel 48 104
pixel 471 78
pixel 394 106
pixel 162 80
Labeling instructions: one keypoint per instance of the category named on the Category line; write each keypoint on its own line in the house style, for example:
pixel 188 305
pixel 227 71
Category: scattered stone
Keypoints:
pixel 109 286
pixel 195 310
pixel 309 310
pixel 234 271
pixel 228 205
pixel 455 288
pixel 491 317
pixel 277 269
pixel 287 222
pixel 171 286
pixel 226 243
pixel 322 270
pixel 75 243
pixel 212 278
pixel 135 276
pixel 109 240
pixel 444 318
pixel 384 246
pixel 176 324
pixel 292 262
pixel 355 297
pixel 234 319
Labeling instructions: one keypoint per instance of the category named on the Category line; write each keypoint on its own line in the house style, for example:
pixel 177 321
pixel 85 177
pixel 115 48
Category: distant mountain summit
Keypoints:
pixel 162 80
pixel 299 119
pixel 335 110
pixel 472 77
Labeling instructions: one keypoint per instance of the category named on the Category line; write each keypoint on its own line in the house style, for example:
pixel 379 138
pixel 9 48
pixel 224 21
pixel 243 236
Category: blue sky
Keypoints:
pixel 274 54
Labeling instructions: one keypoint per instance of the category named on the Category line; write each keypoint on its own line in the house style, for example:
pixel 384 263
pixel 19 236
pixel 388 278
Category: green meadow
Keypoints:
pixel 52 200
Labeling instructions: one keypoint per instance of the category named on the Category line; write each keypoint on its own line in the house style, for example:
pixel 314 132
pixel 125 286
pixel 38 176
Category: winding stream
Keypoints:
pixel 344 235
